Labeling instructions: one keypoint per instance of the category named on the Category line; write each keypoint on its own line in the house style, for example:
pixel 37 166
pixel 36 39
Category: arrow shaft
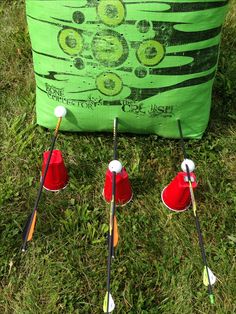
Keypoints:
pixel 203 252
pixel 199 232
pixel 42 183
pixel 197 222
pixel 47 163
pixel 115 128
pixel 111 249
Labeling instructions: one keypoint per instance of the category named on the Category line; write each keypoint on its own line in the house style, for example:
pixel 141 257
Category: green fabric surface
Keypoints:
pixel 148 63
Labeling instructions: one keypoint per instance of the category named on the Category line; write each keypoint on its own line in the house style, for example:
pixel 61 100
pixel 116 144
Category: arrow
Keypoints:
pixel 206 271
pixel 29 228
pixel 108 304
pixel 111 246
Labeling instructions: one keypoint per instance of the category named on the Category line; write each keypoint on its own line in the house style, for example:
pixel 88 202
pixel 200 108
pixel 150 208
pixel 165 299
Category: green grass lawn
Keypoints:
pixel 158 266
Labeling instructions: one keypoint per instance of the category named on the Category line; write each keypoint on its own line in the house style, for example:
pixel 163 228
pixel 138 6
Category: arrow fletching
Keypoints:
pixel 211 276
pixel 111 303
pixel 29 229
pixel 115 232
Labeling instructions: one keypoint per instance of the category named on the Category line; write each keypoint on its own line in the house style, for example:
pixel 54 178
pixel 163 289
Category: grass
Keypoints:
pixel 158 268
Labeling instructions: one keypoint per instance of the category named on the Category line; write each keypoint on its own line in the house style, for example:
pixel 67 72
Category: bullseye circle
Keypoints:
pixel 70 41
pixel 109 48
pixel 111 12
pixel 150 52
pixel 109 84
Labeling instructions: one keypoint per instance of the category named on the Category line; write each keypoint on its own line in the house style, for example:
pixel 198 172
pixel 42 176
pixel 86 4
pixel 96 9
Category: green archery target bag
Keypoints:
pixel 148 63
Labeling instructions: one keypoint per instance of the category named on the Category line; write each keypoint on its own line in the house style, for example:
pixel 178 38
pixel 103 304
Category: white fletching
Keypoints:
pixel 211 276
pixel 189 163
pixel 111 305
pixel 115 166
pixel 60 112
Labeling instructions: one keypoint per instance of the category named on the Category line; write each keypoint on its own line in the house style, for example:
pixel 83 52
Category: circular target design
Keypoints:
pixel 79 63
pixel 110 48
pixel 111 13
pixel 140 72
pixel 143 26
pixel 150 52
pixel 109 84
pixel 78 17
pixel 70 41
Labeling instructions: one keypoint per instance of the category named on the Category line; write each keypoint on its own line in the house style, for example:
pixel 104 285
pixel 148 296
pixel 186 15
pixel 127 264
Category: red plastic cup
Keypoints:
pixel 57 176
pixel 123 188
pixel 176 196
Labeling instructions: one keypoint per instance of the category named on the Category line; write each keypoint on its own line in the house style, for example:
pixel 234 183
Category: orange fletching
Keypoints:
pixel 31 231
pixel 115 233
